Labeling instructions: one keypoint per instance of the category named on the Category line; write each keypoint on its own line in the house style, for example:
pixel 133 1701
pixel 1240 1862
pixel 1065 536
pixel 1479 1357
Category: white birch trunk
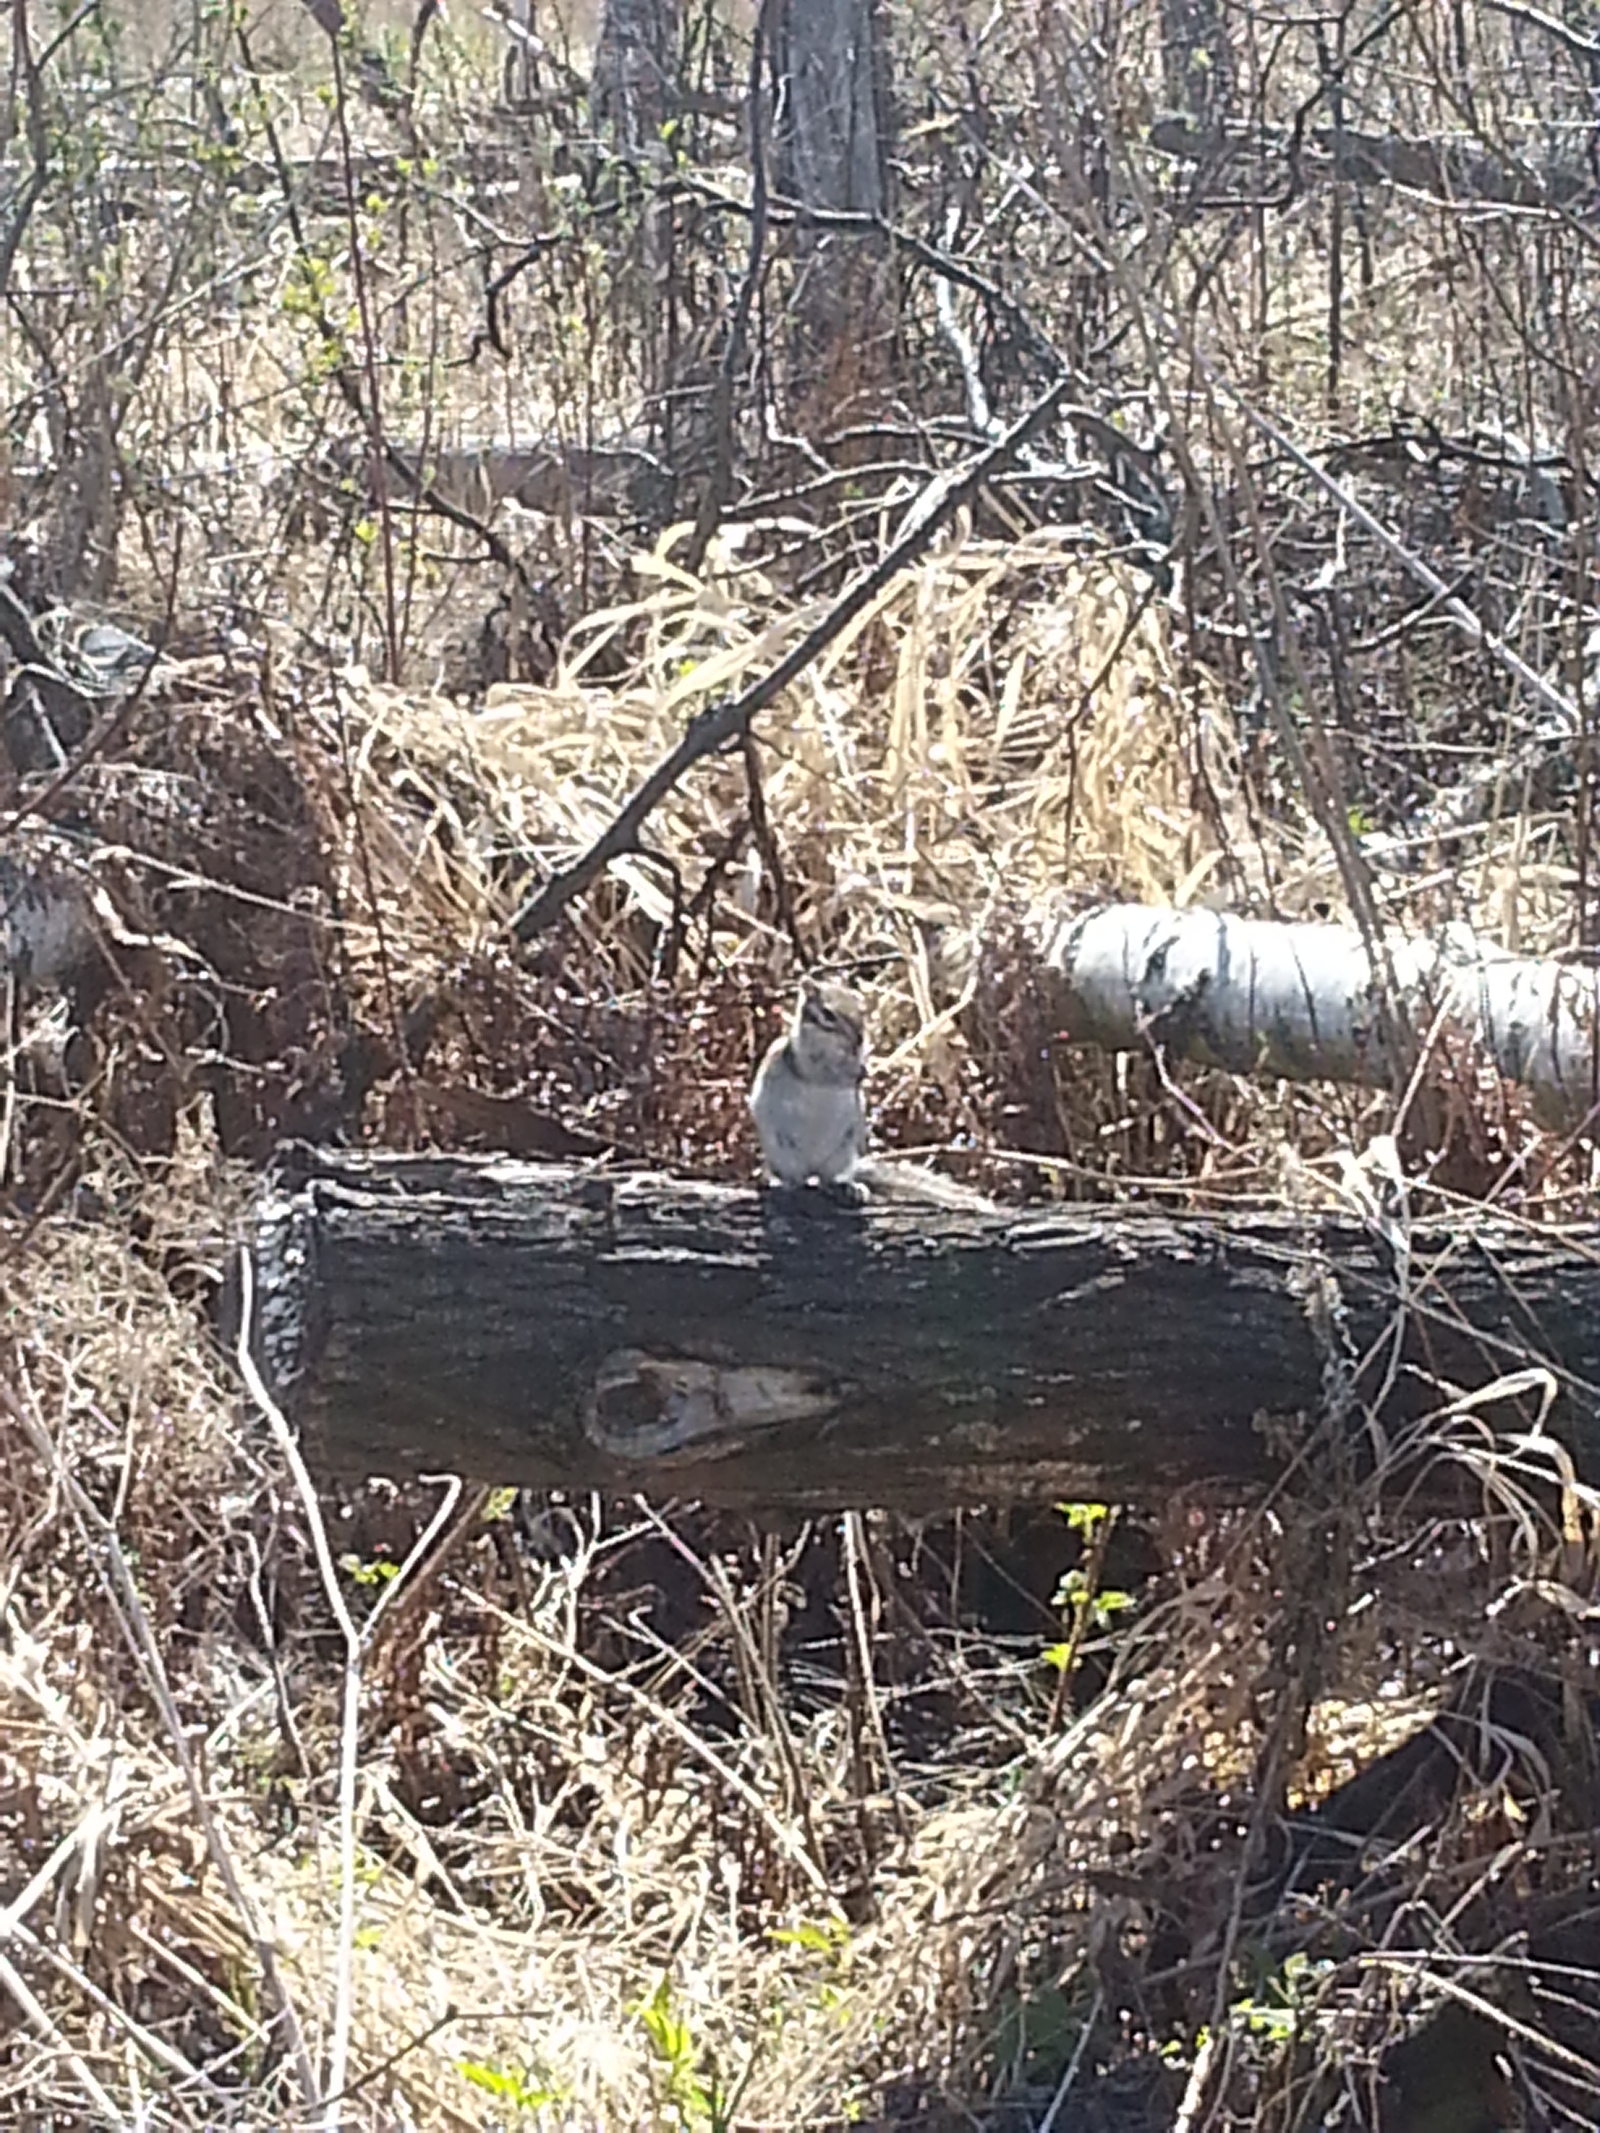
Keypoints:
pixel 1260 997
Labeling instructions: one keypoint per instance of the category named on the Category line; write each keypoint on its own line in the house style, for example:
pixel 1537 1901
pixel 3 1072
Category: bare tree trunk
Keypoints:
pixel 579 1328
pixel 829 144
pixel 831 152
pixel 1197 61
pixel 633 83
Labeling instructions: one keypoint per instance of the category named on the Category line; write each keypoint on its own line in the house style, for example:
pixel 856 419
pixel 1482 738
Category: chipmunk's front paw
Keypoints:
pixel 817 1195
pixel 844 1192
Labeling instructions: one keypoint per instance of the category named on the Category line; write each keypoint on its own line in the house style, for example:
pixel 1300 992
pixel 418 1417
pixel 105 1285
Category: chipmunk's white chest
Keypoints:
pixel 808 1129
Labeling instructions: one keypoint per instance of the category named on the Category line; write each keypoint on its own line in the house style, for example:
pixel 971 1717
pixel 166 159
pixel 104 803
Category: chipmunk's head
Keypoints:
pixel 826 1038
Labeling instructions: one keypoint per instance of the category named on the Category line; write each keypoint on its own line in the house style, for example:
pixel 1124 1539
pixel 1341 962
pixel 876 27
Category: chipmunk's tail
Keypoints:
pixel 884 1179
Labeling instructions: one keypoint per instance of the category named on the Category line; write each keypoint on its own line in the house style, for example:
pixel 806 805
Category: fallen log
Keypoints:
pixel 1262 997
pixel 572 1326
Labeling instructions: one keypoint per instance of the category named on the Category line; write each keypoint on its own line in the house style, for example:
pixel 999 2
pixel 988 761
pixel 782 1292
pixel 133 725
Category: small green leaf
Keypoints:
pixel 1084 1517
pixel 828 1936
pixel 378 1572
pixel 522 2090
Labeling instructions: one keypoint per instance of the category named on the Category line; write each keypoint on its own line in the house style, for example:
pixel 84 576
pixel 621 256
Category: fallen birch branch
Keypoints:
pixel 1262 997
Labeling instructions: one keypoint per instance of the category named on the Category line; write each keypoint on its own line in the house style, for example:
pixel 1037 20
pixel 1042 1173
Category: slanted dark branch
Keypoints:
pixel 729 719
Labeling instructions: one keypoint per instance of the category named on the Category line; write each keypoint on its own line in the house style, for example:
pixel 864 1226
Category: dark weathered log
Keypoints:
pixel 577 1327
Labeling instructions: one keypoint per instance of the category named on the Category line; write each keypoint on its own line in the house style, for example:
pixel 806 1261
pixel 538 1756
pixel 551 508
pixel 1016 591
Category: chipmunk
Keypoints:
pixel 806 1097
pixel 809 1117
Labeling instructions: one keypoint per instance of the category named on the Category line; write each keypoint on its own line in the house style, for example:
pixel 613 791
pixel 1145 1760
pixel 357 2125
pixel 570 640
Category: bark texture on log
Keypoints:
pixel 566 1326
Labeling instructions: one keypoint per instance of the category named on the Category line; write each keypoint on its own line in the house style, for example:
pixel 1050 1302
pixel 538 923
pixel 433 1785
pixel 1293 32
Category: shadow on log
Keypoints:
pixel 569 1326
